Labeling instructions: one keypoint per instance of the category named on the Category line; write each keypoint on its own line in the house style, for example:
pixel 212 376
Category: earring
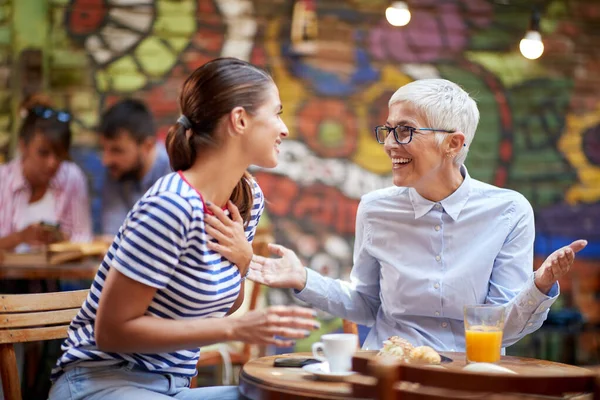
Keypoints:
pixel 449 155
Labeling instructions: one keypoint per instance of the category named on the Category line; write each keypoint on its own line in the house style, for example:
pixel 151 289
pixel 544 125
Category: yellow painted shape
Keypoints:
pixel 291 90
pixel 571 145
pixel 370 154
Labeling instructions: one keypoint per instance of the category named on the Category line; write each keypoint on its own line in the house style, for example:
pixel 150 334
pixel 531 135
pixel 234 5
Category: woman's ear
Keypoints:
pixel 238 119
pixel 456 142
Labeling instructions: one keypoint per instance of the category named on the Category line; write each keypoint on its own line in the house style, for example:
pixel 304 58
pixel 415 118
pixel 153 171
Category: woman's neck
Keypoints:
pixel 215 175
pixel 442 185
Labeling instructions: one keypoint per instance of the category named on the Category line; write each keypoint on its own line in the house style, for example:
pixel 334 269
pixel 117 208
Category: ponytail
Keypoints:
pixel 181 152
pixel 243 197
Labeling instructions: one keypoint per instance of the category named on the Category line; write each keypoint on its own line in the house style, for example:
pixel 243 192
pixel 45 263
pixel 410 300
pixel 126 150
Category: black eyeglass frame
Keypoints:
pixel 411 129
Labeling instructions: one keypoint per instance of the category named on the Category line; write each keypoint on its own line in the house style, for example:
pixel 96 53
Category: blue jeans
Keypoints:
pixel 127 382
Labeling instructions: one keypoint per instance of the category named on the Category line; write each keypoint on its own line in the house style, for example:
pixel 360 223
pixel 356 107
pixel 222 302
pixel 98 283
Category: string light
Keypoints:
pixel 531 45
pixel 398 14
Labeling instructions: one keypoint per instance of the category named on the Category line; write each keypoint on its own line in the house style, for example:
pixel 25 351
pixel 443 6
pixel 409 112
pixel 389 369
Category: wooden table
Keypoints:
pixel 259 380
pixel 85 269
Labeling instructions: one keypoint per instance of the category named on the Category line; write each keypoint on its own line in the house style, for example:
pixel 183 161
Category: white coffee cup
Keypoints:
pixel 338 349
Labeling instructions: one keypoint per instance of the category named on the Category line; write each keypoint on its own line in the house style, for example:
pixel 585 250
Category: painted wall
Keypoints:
pixel 539 131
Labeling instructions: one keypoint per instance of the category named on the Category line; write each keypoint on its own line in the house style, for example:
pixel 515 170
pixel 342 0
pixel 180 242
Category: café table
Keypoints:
pixel 259 380
pixel 80 270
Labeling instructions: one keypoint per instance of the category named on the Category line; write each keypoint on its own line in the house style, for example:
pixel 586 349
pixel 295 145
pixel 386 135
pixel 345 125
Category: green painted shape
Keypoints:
pixel 5 36
pixel 511 68
pixel 331 134
pixel 483 154
pixel 30 24
pixel 154 57
pixel 507 27
pixel 538 169
pixel 175 19
pixel 178 44
pixel 69 58
pixel 102 81
pixel 124 76
pixel 557 10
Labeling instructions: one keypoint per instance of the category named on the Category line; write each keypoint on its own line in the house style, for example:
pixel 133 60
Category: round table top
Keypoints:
pixel 84 269
pixel 260 380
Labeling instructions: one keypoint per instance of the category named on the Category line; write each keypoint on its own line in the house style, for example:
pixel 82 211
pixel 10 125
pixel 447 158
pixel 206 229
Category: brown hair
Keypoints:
pixel 40 118
pixel 208 94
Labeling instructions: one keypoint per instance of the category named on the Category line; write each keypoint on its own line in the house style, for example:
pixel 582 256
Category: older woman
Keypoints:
pixel 434 242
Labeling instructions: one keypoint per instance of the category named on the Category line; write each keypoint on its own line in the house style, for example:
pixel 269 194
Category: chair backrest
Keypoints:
pixel 434 383
pixel 30 318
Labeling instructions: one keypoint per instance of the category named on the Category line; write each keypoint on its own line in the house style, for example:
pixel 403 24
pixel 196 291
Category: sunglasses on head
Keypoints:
pixel 47 113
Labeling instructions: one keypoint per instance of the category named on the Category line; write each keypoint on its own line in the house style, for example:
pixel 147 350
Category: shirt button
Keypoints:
pixel 438 258
pixel 437 314
pixel 530 302
pixel 438 206
pixel 530 324
pixel 437 227
pixel 444 324
pixel 437 286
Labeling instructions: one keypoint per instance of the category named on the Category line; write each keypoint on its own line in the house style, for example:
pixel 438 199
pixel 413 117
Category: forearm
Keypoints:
pixel 340 298
pixel 11 241
pixel 526 312
pixel 148 334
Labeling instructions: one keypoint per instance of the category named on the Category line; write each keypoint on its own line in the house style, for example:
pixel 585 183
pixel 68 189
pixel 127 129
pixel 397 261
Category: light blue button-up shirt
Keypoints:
pixel 417 263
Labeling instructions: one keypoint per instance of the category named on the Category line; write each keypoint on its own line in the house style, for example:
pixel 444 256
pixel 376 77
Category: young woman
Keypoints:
pixel 163 290
pixel 43 195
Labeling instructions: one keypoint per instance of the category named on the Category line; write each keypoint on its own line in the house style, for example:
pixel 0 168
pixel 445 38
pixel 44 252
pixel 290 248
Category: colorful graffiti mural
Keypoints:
pixel 539 131
pixel 527 138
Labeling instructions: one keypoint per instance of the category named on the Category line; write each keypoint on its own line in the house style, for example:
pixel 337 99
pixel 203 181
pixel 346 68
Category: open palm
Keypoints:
pixel 284 272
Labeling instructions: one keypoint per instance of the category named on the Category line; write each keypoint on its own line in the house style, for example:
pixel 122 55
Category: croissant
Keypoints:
pixel 425 355
pixel 400 348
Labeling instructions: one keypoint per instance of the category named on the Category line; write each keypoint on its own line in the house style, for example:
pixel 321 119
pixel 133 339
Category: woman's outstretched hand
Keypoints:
pixel 278 325
pixel 284 272
pixel 557 265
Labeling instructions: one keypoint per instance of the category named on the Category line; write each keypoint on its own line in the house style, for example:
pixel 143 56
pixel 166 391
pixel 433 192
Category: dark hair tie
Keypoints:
pixel 185 122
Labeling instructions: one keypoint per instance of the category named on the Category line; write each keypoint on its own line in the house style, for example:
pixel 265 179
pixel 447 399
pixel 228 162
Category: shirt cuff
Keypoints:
pixel 534 301
pixel 316 286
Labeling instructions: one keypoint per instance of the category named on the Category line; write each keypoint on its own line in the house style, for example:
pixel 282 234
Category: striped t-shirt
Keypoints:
pixel 162 244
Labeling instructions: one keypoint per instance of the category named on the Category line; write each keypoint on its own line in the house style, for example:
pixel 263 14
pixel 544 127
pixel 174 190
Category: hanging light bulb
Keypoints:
pixel 531 45
pixel 398 13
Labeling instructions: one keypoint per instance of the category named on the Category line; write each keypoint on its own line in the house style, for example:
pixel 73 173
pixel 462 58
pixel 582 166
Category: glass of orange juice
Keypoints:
pixel 483 332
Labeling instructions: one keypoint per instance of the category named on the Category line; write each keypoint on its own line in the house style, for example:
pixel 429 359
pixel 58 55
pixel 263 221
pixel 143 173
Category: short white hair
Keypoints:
pixel 444 105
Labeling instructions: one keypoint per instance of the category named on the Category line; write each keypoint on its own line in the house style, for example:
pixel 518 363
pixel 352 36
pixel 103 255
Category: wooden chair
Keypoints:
pixel 32 318
pixel 240 357
pixel 400 381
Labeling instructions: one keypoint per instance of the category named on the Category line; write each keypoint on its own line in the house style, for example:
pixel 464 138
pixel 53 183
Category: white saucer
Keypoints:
pixel 321 371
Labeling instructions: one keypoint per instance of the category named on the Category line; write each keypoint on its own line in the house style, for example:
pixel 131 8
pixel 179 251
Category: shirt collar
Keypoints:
pixel 452 204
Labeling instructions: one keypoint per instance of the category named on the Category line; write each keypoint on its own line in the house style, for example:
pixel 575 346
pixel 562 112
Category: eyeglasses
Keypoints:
pixel 402 133
pixel 47 113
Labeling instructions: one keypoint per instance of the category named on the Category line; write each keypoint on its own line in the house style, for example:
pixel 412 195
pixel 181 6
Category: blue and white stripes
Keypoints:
pixel 162 244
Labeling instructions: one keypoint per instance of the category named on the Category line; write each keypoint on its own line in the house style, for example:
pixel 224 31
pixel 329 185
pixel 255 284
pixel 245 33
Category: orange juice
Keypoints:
pixel 484 343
